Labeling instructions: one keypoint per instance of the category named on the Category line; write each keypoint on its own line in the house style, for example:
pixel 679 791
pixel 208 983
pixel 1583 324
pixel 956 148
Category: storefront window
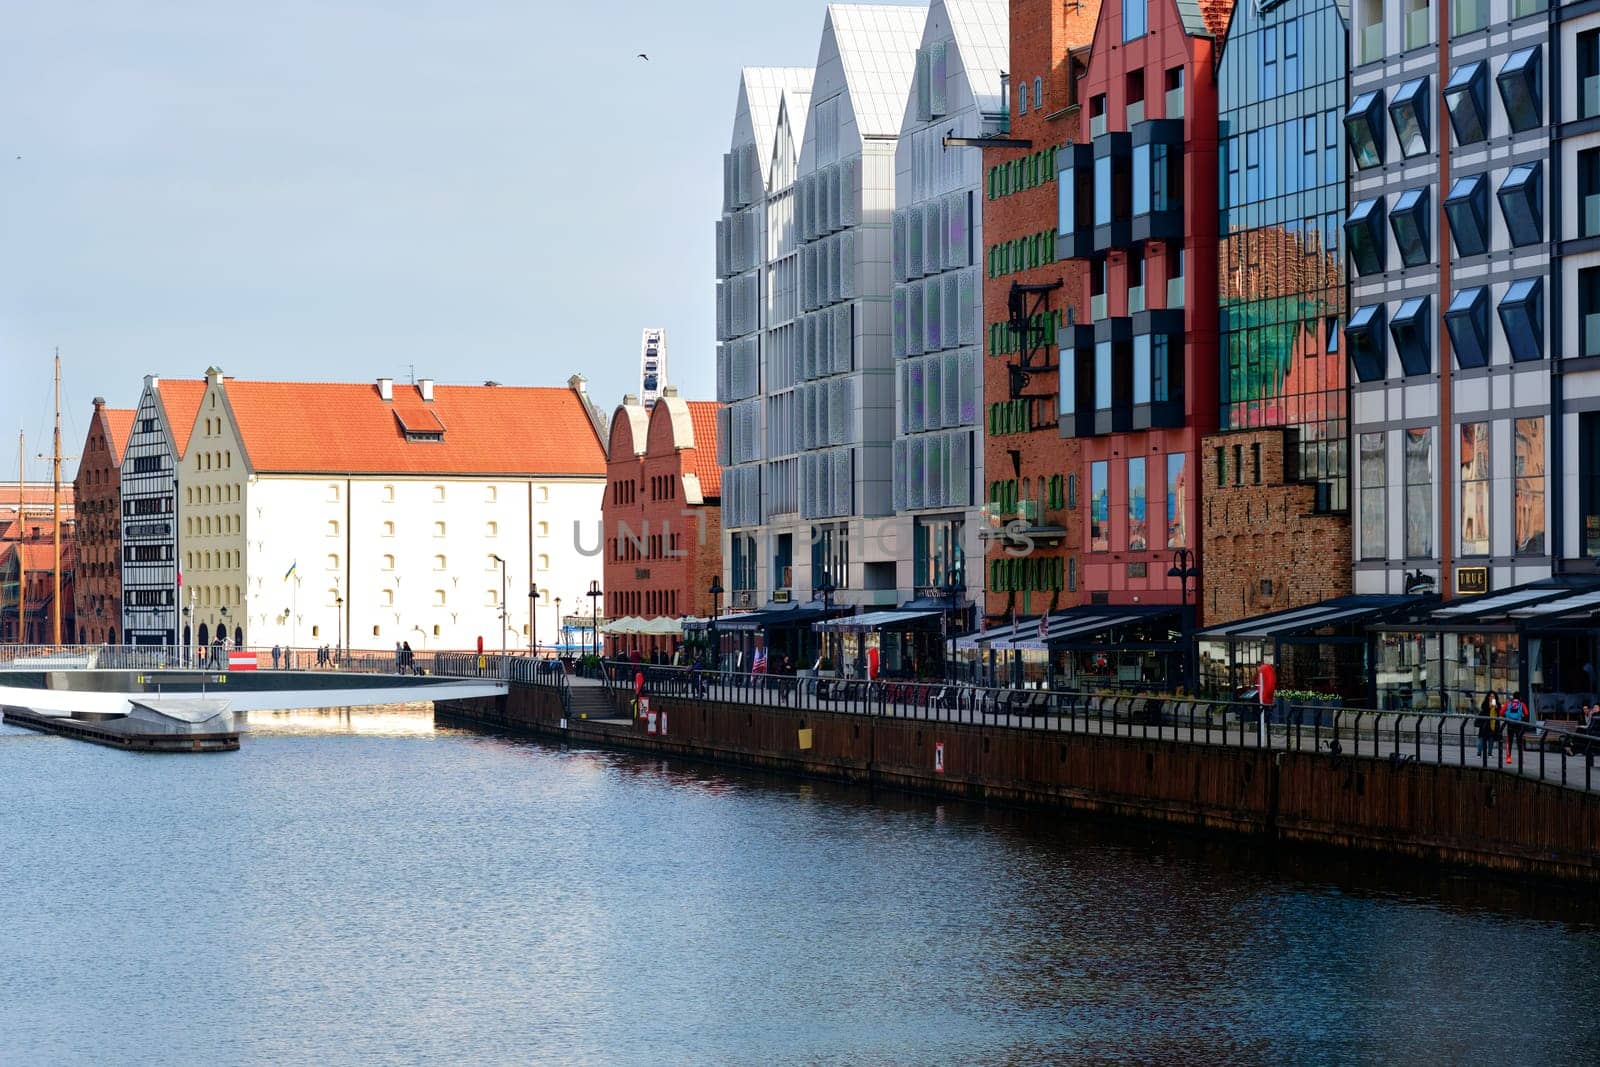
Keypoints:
pixel 1407 670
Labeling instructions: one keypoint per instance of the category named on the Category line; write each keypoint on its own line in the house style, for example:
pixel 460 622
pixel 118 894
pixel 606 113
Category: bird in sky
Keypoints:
pixel 644 57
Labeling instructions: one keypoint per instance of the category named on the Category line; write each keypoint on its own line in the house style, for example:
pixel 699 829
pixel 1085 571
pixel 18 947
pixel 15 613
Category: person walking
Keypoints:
pixel 1516 725
pixel 408 659
pixel 1488 712
pixel 277 656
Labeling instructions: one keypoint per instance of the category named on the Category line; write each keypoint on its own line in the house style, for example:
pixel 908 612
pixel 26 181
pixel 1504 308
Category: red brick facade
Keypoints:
pixel 662 517
pixel 1265 547
pixel 98 491
pixel 1025 458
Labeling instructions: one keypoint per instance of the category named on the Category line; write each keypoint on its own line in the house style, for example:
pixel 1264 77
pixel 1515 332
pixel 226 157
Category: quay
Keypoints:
pixel 1400 784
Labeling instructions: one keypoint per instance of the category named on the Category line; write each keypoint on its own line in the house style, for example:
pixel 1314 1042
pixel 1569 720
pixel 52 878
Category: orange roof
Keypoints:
pixel 119 425
pixel 344 427
pixel 1216 14
pixel 705 466
pixel 181 398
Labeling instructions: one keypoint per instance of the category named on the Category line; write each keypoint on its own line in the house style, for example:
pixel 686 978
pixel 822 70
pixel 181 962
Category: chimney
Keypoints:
pixel 578 383
pixel 630 400
pixel 386 388
pixel 213 375
pixel 99 402
pixel 671 390
pixel 425 387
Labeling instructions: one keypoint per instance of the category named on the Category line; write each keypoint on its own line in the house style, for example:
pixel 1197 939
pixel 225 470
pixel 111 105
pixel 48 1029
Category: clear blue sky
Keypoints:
pixel 318 189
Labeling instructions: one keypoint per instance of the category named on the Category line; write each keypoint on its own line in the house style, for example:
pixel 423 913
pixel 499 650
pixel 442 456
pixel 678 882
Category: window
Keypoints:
pixel 1589 312
pixel 438 529
pixel 333 494
pixel 1177 501
pixel 1099 507
pixel 1520 204
pixel 1368 352
pixel 1102 376
pixel 1138 520
pixel 1466 99
pixel 1368 243
pixel 1467 208
pixel 438 602
pixel 491 494
pixel 1409 113
pixel 1519 89
pixel 1072 492
pixel 1412 337
pixel 1419 493
pixel 388 597
pixel 388 562
pixel 1038 92
pixel 1589 193
pixel 1374 487
pixel 1022 97
pixel 544 529
pixel 1475 489
pixel 1419 22
pixel 1589 481
pixel 491 529
pixel 1467 321
pixel 388 529
pixel 1528 490
pixel 1135 21
pixel 544 562
pixel 491 598
pixel 1588 74
pixel 1369 30
pixel 1409 221
pixel 1468 15
pixel 388 494
pixel 333 527
pixel 438 563
pixel 1522 318
pixel 333 561
pixel 438 494
pixel 1519 8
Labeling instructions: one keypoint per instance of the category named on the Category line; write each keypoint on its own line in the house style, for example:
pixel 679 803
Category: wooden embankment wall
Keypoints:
pixel 1458 815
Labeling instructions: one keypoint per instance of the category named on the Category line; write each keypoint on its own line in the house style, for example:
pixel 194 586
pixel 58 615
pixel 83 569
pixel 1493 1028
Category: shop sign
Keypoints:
pixel 1471 581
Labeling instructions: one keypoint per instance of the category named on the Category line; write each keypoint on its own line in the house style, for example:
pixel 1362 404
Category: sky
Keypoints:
pixel 338 190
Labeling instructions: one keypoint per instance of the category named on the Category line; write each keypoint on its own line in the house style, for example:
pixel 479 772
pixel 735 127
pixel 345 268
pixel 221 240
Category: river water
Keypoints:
pixel 367 889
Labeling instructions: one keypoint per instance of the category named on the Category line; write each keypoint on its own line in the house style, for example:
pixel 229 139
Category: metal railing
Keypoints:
pixel 1535 749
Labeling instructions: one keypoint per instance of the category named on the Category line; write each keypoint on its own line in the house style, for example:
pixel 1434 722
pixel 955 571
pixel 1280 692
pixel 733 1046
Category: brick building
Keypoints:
pixel 1031 472
pixel 662 517
pixel 97 489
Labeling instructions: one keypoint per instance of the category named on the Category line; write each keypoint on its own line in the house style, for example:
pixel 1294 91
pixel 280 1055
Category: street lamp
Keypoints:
pixel 502 565
pixel 338 618
pixel 533 620
pixel 826 591
pixel 955 586
pixel 594 595
pixel 561 629
pixel 716 592
pixel 1184 567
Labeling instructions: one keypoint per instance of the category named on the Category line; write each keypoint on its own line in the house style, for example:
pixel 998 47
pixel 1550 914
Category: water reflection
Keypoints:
pixel 387 893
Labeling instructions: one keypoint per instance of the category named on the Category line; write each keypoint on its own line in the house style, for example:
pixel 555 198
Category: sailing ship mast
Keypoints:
pixel 55 517
pixel 22 573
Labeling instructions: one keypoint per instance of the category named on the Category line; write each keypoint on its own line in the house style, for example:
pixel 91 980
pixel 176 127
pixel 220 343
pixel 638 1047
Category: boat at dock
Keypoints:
pixel 148 725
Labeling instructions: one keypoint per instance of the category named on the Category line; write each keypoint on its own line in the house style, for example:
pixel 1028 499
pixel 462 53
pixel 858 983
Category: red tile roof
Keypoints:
pixel 341 427
pixel 703 413
pixel 181 398
pixel 1216 14
pixel 119 425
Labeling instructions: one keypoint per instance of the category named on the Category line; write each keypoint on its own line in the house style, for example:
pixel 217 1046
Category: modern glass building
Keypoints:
pixel 1280 99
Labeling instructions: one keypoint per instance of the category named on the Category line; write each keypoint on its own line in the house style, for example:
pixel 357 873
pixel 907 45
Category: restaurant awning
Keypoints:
pixel 1291 623
pixel 1065 629
pixel 1549 602
pixel 877 620
pixel 750 621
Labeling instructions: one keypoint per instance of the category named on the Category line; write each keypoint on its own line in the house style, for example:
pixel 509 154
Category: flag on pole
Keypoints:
pixel 290 572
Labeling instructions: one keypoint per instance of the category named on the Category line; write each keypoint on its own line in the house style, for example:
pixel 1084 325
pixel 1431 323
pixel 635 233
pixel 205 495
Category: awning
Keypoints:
pixel 1343 610
pixel 634 626
pixel 876 620
pixel 1075 626
pixel 1540 603
pixel 767 620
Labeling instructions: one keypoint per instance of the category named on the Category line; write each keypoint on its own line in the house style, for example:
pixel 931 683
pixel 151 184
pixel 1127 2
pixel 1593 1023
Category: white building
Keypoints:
pixel 370 514
pixel 151 612
pixel 652 365
pixel 937 240
pixel 808 503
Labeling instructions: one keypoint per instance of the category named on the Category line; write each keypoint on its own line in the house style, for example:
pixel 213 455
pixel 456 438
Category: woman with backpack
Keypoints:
pixel 1516 725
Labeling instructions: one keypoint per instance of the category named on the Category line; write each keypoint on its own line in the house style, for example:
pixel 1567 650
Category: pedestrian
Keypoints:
pixel 399 659
pixel 1516 725
pixel 696 682
pixel 1488 712
pixel 277 655
pixel 407 659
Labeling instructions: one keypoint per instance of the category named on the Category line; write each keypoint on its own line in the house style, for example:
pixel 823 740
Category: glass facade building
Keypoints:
pixel 1281 98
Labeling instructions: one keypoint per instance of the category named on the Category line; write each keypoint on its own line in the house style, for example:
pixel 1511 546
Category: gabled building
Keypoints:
pixel 97 490
pixel 663 520
pixel 151 611
pixel 365 515
pixel 937 243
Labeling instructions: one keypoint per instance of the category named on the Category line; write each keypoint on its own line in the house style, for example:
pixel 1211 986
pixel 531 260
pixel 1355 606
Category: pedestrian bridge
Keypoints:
pixel 76 687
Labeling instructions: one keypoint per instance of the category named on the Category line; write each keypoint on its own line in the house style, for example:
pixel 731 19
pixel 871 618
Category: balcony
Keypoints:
pixel 1135 113
pixel 1075 202
pixel 1113 200
pixel 1113 376
pixel 1076 381
pixel 1157 172
pixel 1175 103
pixel 1097 125
pixel 1590 339
pixel 1372 43
pixel 1175 292
pixel 1097 307
pixel 1589 97
pixel 1135 299
pixel 1022 525
pixel 1589 216
pixel 1418 24
pixel 1157 370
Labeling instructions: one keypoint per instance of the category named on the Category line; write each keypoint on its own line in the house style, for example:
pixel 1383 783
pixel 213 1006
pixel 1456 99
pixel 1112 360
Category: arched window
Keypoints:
pixel 1038 93
pixel 1022 98
pixel 205 635
pixel 238 637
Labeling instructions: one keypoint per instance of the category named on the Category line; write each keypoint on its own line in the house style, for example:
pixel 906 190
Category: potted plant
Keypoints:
pixel 825 668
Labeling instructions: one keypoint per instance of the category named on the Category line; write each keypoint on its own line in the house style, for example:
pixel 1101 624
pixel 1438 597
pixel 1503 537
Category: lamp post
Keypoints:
pixel 533 620
pixel 1184 567
pixel 188 643
pixel 953 590
pixel 594 595
pixel 826 591
pixel 716 592
pixel 338 618
pixel 502 565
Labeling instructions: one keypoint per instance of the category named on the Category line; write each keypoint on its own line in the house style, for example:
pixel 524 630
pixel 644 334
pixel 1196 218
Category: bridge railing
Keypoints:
pixel 1536 749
